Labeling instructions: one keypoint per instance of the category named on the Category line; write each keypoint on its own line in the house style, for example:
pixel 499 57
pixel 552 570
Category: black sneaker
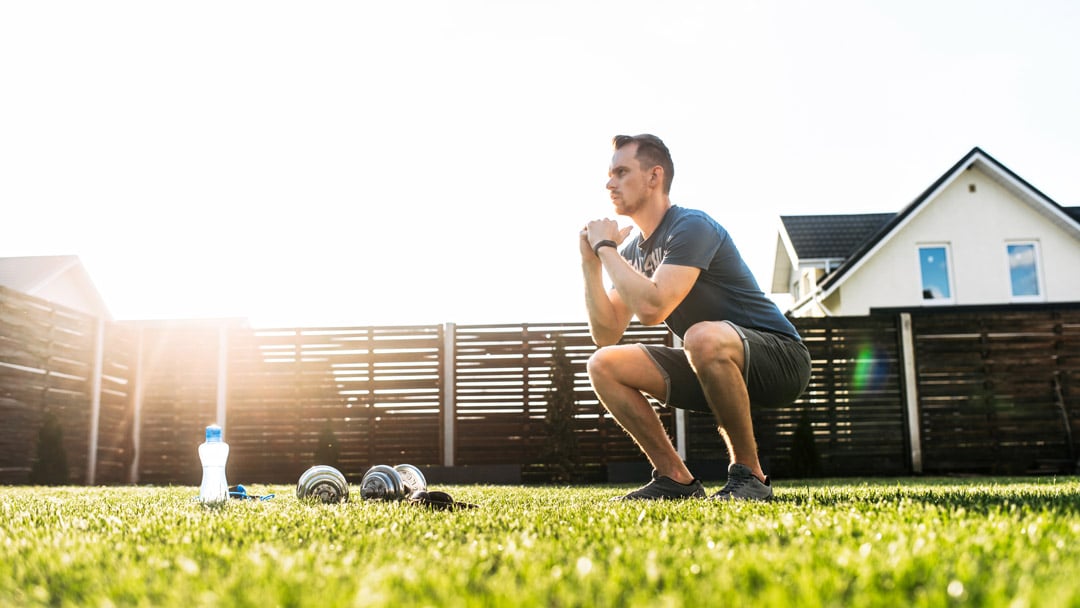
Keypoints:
pixel 742 485
pixel 665 488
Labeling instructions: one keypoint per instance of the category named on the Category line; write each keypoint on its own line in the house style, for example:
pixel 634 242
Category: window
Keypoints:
pixel 1024 271
pixel 934 270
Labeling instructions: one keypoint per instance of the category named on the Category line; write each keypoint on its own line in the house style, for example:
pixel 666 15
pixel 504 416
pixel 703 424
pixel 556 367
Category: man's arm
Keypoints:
pixel 608 316
pixel 651 300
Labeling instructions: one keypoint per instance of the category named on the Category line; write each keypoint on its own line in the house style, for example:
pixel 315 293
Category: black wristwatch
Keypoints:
pixel 604 243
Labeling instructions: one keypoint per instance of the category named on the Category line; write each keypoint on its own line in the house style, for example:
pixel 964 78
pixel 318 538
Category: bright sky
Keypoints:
pixel 362 163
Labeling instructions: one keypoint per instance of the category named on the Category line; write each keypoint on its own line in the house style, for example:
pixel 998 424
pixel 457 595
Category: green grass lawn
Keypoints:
pixel 908 542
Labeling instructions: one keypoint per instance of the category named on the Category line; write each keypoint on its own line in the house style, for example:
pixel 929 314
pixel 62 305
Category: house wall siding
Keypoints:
pixel 1060 257
pixel 976 225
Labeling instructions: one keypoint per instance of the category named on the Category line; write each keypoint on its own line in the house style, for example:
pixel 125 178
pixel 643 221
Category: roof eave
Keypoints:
pixel 783 246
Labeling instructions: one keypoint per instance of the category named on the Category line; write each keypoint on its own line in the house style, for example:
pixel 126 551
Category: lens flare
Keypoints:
pixel 870 370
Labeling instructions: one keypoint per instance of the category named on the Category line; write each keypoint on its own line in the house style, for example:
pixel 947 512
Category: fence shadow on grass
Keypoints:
pixel 977 495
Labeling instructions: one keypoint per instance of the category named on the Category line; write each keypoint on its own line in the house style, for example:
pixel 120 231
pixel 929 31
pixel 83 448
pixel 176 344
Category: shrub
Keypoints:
pixel 561 448
pixel 329 450
pixel 50 467
pixel 805 460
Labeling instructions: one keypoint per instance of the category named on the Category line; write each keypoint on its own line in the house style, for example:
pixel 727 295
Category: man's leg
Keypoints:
pixel 716 352
pixel 620 374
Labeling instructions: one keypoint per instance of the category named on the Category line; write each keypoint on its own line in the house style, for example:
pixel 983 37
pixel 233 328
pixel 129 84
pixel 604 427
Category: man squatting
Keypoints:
pixel 739 352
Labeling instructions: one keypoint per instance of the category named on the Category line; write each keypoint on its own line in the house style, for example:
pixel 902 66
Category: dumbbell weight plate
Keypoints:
pixel 323 483
pixel 382 483
pixel 412 478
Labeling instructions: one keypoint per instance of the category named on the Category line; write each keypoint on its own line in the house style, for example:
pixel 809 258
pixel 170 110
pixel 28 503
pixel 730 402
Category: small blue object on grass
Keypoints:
pixel 240 492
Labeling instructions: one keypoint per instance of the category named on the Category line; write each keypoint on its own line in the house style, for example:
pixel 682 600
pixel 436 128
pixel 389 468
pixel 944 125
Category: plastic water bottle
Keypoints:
pixel 213 454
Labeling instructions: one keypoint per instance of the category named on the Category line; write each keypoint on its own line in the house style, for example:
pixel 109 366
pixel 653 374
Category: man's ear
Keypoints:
pixel 656 176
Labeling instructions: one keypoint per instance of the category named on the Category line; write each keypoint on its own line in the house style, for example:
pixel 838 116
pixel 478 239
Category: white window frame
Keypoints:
pixel 948 269
pixel 1039 282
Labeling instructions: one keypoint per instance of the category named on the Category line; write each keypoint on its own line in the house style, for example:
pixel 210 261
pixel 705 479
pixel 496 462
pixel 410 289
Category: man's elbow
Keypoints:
pixel 651 317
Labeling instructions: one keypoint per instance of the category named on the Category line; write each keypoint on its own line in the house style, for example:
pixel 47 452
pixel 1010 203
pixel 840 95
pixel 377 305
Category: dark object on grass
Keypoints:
pixel 438 501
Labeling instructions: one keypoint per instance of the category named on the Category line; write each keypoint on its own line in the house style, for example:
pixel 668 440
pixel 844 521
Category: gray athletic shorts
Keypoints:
pixel 777 371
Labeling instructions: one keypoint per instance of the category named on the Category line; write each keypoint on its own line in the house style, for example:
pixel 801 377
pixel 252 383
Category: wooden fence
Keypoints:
pixel 999 392
pixel 57 360
pixel 975 391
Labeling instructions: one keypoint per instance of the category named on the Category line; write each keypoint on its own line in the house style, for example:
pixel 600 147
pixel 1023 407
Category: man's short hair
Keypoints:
pixel 650 152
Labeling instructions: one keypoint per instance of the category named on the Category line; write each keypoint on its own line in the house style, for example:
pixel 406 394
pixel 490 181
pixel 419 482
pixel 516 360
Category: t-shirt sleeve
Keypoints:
pixel 692 242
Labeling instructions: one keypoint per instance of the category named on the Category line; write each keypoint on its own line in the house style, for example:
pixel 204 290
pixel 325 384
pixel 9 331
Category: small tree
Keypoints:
pixel 805 460
pixel 329 450
pixel 561 449
pixel 50 468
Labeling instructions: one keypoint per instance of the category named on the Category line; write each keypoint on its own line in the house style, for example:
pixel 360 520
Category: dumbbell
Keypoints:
pixel 382 482
pixel 323 483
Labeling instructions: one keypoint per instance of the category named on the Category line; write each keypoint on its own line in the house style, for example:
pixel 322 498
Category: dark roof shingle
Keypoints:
pixel 831 236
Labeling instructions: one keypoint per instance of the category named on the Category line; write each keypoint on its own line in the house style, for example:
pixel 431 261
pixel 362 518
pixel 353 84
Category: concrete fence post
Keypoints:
pixel 680 415
pixel 137 402
pixel 95 402
pixel 449 385
pixel 911 392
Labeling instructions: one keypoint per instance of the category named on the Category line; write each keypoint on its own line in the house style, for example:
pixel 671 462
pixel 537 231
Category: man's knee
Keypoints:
pixel 713 342
pixel 600 363
pixel 624 365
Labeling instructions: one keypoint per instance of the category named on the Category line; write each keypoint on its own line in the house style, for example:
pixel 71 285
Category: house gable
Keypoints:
pixel 58 278
pixel 974 209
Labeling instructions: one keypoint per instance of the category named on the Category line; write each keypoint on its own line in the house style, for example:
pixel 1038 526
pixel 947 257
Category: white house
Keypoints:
pixel 979 235
pixel 58 278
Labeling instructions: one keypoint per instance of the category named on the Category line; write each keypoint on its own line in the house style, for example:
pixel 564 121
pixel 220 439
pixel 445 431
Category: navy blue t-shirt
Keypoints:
pixel 725 290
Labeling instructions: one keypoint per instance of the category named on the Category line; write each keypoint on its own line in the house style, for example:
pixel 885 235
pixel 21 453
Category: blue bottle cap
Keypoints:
pixel 213 434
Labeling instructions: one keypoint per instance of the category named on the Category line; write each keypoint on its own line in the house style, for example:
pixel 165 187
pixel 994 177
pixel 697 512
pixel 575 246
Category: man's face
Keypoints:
pixel 627 181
